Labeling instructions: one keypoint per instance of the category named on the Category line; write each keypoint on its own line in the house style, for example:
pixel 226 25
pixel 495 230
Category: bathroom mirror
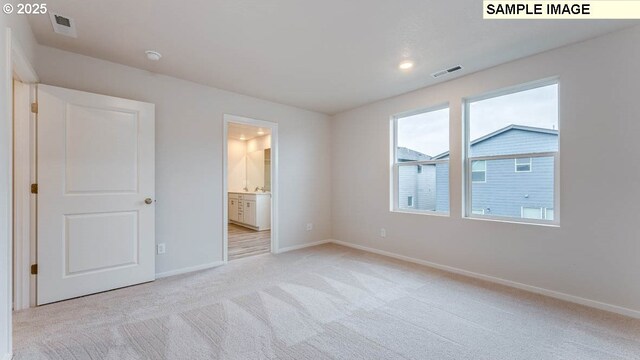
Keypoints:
pixel 259 170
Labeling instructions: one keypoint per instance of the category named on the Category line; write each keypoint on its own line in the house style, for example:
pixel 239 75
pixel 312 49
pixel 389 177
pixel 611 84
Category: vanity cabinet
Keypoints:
pixel 251 210
pixel 233 209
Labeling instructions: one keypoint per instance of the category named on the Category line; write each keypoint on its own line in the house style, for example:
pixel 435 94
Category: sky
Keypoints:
pixel 428 132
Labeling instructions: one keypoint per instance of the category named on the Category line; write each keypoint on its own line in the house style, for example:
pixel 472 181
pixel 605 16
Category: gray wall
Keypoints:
pixel 189 154
pixel 593 255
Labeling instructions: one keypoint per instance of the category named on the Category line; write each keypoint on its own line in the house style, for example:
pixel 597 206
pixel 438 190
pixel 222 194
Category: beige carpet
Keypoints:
pixel 326 302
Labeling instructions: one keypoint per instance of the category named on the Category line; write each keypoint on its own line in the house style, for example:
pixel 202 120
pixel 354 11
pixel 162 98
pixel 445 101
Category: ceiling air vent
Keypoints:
pixel 63 25
pixel 446 71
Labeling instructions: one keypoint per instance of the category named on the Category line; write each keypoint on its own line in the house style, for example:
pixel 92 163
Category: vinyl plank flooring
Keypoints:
pixel 244 242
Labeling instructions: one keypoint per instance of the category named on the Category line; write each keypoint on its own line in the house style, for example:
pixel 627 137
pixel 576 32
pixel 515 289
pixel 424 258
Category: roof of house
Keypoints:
pixel 502 131
pixel 406 154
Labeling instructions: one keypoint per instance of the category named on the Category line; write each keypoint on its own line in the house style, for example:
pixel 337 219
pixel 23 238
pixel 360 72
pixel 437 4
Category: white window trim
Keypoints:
pixel 485 173
pixel 466 170
pixel 394 196
pixel 478 210
pixel 545 213
pixel 515 162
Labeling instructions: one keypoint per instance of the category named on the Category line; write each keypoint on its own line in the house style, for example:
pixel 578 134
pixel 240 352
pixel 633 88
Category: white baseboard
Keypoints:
pixel 551 293
pixel 188 269
pixel 302 246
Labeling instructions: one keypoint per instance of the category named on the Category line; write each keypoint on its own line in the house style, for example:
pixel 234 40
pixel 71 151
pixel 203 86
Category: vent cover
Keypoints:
pixel 447 71
pixel 63 25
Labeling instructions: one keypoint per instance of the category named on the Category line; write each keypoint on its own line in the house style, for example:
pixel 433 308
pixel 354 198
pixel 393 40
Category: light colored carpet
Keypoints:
pixel 326 302
pixel 244 242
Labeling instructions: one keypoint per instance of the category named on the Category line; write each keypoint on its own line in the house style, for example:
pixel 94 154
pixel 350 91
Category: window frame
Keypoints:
pixel 515 162
pixel 394 196
pixel 467 211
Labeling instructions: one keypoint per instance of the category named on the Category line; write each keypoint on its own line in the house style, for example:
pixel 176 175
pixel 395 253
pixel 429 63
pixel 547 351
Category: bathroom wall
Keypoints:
pixel 236 164
pixel 255 161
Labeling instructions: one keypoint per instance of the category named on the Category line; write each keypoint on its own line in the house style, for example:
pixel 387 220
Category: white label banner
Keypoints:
pixel 585 9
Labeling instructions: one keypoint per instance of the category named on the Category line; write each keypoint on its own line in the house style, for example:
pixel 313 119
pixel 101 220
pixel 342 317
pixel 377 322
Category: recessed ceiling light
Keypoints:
pixel 260 132
pixel 405 65
pixel 242 137
pixel 153 55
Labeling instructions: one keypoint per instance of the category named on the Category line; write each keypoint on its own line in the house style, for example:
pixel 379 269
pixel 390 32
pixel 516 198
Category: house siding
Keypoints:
pixel 506 191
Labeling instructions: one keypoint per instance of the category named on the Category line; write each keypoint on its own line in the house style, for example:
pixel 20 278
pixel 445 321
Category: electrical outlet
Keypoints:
pixel 161 249
pixel 383 232
pixel 309 226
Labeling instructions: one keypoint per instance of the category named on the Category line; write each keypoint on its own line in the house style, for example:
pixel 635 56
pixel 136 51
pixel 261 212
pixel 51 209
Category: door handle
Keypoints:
pixel 148 201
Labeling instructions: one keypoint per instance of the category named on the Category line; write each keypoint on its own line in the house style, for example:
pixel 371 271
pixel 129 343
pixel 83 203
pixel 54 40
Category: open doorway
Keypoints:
pixel 249 191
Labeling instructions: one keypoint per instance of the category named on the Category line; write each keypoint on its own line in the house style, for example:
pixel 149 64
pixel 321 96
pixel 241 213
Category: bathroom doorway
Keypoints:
pixel 250 187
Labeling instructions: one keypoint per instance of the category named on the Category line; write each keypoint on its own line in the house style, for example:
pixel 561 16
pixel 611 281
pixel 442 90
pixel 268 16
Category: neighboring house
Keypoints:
pixel 416 190
pixel 508 187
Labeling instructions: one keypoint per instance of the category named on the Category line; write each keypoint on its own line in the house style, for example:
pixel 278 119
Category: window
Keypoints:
pixel 508 134
pixel 478 211
pixel 523 165
pixel 479 171
pixel 531 213
pixel 421 161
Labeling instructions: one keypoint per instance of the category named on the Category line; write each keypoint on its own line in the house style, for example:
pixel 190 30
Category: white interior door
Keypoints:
pixel 96 216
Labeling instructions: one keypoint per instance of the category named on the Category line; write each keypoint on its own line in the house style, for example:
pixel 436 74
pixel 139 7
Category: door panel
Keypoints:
pixel 95 169
pixel 250 213
pixel 89 167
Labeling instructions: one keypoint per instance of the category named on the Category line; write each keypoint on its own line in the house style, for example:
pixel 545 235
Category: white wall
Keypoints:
pixel 237 164
pixel 189 128
pixel 595 254
pixel 5 191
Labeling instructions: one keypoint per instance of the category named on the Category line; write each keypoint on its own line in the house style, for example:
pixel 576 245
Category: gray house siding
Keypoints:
pixel 442 184
pixel 505 191
pixel 418 186
pixel 515 142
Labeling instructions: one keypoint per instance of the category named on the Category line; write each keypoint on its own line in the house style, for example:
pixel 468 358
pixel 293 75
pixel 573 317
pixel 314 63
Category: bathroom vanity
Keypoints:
pixel 250 209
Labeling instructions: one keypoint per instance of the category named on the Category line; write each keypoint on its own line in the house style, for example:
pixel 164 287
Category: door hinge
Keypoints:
pixel 34 269
pixel 34 188
pixel 34 107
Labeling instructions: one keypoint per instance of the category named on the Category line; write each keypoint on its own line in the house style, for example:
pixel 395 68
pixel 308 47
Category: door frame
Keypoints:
pixel 25 173
pixel 18 68
pixel 227 119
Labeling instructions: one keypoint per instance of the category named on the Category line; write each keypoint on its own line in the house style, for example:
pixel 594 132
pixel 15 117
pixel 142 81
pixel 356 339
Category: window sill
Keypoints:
pixel 512 221
pixel 418 212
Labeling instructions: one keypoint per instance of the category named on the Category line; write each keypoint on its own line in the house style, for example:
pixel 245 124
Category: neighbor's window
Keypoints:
pixel 421 161
pixel 516 129
pixel 479 171
pixel 523 165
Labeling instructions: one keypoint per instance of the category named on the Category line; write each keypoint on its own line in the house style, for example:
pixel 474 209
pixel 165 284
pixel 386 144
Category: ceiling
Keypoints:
pixel 245 132
pixel 327 56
